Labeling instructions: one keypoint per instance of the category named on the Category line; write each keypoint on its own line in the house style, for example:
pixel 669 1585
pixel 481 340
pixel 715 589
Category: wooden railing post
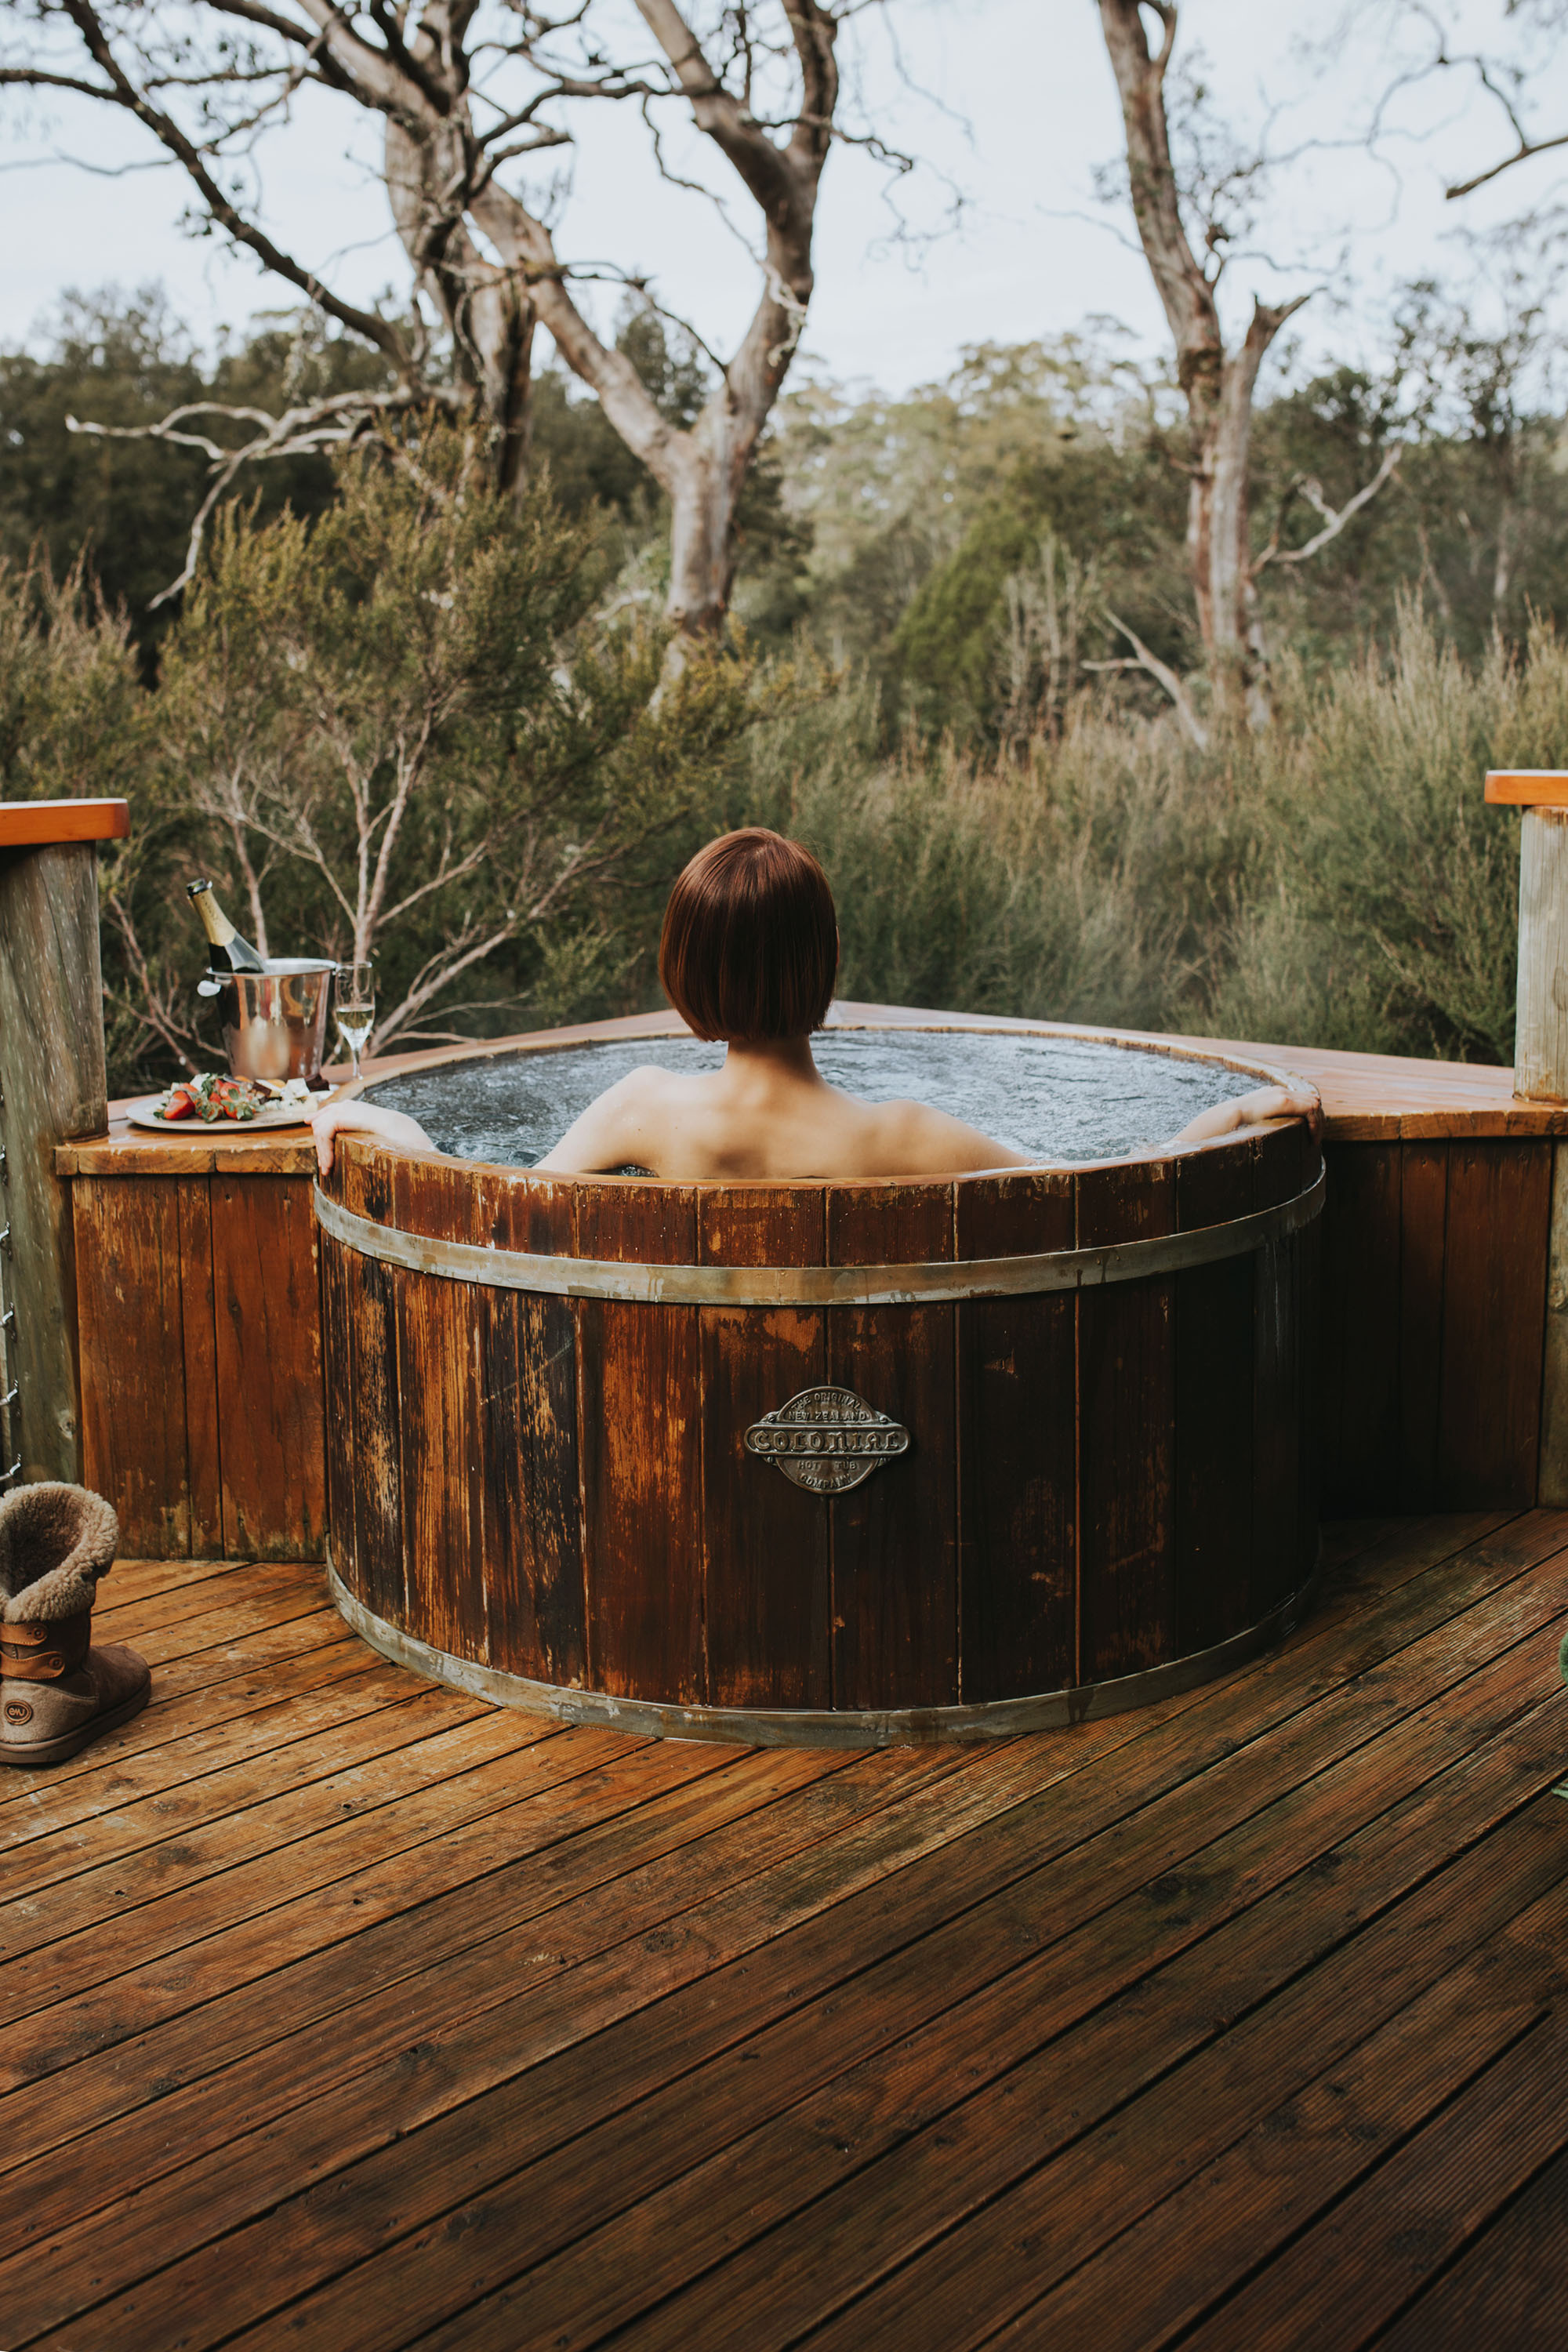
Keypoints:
pixel 1541 1015
pixel 52 1091
pixel 1540 1061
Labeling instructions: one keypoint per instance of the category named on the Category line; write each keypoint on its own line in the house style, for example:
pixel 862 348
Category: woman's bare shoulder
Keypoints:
pixel 913 1138
pixel 639 1084
pixel 621 1128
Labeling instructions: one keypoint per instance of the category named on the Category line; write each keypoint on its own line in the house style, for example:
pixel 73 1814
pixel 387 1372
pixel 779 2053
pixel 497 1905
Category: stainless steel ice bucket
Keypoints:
pixel 275 1022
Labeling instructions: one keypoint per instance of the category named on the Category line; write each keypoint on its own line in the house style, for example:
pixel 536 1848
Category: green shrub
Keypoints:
pixel 1390 921
pixel 1336 879
pixel 1082 884
pixel 401 730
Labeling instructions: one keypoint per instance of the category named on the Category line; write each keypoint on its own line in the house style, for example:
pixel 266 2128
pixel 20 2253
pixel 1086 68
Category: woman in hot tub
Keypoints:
pixel 749 954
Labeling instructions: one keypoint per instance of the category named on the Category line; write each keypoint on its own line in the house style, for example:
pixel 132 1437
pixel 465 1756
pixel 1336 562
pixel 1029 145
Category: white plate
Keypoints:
pixel 141 1114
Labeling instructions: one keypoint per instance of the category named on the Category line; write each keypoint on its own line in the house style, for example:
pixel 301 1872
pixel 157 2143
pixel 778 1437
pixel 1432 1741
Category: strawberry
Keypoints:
pixel 234 1099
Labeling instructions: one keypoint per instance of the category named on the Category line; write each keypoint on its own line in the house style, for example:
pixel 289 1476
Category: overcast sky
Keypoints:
pixel 1012 101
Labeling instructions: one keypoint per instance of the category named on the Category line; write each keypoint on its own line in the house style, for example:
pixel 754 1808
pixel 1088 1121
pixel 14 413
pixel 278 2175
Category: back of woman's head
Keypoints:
pixel 750 947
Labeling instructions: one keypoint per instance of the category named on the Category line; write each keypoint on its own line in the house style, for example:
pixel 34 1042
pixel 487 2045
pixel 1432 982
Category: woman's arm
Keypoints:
pixel 1249 1110
pixel 364 1118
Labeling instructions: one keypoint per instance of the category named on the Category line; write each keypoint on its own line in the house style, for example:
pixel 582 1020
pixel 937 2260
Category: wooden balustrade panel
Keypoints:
pixel 266 1316
pixel 1413 1474
pixel 1127 1608
pixel 197 1384
pixel 131 1316
pixel 1494 1323
pixel 1361 1328
pixel 199 1325
pixel 1017 1448
pixel 767 1561
pixel 1434 1261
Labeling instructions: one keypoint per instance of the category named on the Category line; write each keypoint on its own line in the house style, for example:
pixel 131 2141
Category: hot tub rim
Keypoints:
pixel 1271 1073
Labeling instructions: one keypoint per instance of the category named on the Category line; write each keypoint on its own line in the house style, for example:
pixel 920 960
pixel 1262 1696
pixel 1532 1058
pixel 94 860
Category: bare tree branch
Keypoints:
pixel 1498 75
pixel 1523 154
pixel 1165 675
pixel 155 1011
pixel 1335 518
pixel 310 430
pixel 368 323
pixel 35 78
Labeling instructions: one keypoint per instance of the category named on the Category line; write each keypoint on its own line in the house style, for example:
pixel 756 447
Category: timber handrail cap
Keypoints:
pixel 31 825
pixel 1529 787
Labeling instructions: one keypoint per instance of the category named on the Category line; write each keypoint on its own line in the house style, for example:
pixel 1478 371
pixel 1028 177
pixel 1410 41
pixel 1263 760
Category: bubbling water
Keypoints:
pixel 1053 1098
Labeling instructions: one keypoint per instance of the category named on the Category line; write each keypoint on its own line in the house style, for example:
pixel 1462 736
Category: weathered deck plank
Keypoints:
pixel 341 2013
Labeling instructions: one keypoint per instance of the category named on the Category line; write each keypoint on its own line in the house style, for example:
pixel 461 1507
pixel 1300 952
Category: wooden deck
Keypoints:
pixel 340 2012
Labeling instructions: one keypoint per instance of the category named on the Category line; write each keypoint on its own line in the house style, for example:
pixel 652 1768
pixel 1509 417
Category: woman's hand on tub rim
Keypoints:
pixel 1296 1100
pixel 352 1116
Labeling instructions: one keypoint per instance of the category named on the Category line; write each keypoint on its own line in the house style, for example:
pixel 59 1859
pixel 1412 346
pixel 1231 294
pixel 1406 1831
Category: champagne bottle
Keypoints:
pixel 227 952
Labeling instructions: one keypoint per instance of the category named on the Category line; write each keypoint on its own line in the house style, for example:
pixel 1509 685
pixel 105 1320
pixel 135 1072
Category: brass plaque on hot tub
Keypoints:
pixel 827 1439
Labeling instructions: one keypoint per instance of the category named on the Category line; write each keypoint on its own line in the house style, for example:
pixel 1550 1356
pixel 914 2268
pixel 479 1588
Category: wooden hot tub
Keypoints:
pixel 858 1463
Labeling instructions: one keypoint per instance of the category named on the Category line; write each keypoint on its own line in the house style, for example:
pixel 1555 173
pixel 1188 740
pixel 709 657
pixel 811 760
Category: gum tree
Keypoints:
pixel 464 94
pixel 1186 220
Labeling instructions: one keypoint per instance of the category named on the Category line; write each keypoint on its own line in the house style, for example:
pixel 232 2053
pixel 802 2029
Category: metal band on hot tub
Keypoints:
pixel 1001 1718
pixel 820 1285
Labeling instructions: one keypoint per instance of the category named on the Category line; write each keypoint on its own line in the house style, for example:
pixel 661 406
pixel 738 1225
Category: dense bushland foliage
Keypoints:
pixel 391 716
pixel 1335 879
pixel 401 730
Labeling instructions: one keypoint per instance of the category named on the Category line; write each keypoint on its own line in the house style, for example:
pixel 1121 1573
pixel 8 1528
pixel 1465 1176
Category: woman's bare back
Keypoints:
pixel 768 1114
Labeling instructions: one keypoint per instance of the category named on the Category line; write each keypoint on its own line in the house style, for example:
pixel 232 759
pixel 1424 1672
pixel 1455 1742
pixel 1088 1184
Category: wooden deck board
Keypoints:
pixel 194 1700
pixel 1508 2286
pixel 342 2013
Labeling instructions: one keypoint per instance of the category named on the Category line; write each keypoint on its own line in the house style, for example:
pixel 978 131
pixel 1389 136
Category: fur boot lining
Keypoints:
pixel 56 1541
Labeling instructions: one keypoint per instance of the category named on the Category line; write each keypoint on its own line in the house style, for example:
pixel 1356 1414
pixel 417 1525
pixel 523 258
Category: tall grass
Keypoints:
pixel 1080 884
pixel 1335 880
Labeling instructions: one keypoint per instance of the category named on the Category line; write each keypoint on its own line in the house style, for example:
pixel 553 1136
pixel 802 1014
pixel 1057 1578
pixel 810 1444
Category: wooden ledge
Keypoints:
pixel 34 824
pixel 1528 787
pixel 127 1151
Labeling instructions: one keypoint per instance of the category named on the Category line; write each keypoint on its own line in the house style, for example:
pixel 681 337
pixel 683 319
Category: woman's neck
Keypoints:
pixel 764 1061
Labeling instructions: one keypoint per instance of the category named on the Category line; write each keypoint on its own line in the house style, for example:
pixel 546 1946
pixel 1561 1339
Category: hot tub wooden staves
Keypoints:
pixel 538 1394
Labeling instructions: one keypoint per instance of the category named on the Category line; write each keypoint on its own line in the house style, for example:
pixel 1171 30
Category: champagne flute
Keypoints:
pixel 354 1003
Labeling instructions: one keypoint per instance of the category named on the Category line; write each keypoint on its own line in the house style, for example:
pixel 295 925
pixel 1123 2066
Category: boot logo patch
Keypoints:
pixel 18 1711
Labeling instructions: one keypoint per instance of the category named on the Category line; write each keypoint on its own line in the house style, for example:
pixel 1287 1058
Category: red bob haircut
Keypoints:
pixel 750 947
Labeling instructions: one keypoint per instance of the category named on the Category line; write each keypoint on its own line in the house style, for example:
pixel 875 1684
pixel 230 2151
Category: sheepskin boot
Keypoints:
pixel 56 1691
